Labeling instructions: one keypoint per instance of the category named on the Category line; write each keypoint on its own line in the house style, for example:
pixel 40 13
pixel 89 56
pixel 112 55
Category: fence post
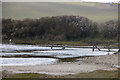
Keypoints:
pixel 93 48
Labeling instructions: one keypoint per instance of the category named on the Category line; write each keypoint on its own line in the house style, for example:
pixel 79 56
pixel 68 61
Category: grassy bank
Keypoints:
pixel 85 42
pixel 39 42
pixel 94 74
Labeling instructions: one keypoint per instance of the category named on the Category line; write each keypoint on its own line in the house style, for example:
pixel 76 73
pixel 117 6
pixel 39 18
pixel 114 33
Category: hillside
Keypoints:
pixel 98 12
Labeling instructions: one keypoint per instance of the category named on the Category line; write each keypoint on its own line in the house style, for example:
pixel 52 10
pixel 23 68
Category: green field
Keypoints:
pixel 84 42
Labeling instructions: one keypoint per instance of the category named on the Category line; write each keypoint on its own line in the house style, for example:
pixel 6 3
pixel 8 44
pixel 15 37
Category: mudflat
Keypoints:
pixel 107 62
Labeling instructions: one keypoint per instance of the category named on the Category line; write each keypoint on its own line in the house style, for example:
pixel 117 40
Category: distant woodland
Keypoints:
pixel 58 28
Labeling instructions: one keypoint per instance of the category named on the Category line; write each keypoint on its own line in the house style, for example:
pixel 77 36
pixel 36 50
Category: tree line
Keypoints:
pixel 61 28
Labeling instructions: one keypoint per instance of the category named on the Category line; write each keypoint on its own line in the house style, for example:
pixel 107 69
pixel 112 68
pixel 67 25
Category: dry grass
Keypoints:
pixel 94 74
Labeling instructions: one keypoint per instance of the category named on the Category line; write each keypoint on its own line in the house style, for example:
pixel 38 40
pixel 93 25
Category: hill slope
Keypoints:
pixel 99 12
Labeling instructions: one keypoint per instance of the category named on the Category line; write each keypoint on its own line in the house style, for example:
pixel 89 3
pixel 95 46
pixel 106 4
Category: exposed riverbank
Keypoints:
pixel 109 60
pixel 105 63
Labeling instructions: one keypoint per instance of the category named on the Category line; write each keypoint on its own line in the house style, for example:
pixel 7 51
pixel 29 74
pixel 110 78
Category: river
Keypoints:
pixel 35 54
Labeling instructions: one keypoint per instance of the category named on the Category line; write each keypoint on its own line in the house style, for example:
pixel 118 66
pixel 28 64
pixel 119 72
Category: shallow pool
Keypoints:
pixel 26 61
